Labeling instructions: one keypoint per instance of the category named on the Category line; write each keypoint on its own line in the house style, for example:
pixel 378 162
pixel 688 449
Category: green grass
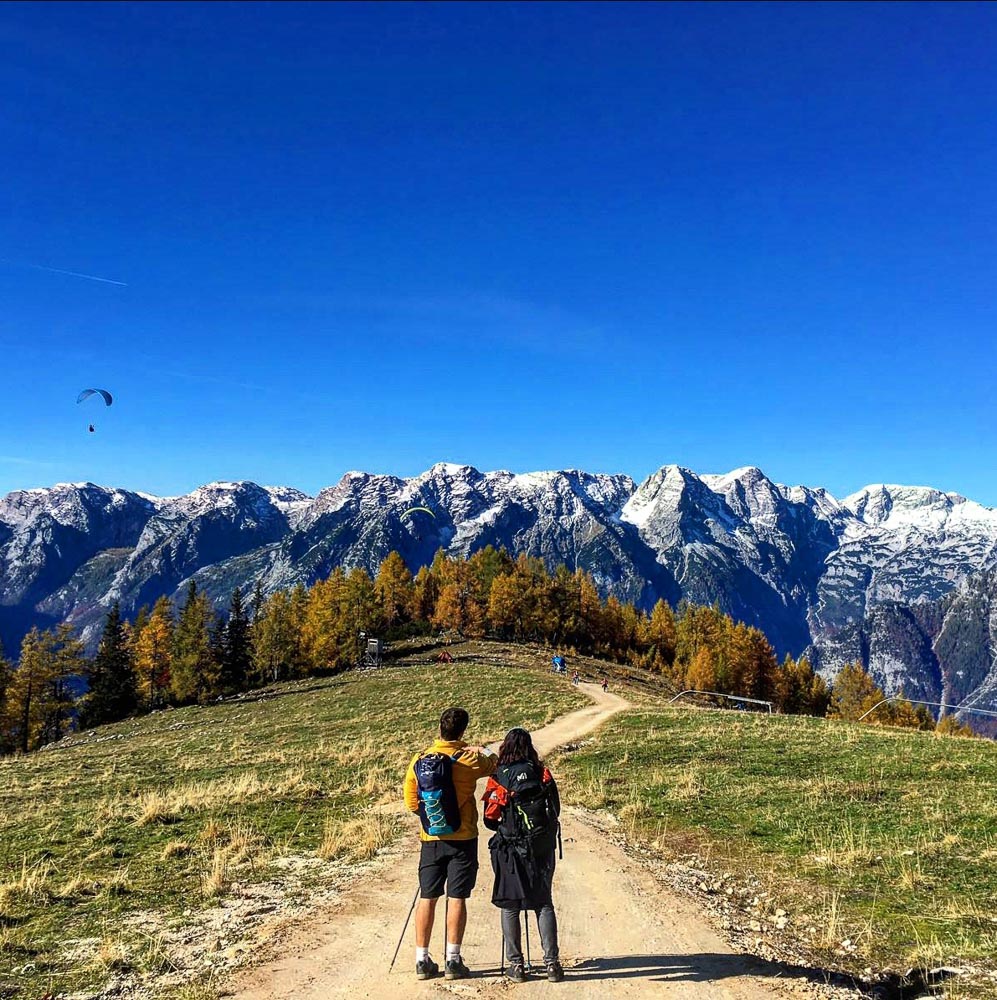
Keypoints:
pixel 109 845
pixel 884 838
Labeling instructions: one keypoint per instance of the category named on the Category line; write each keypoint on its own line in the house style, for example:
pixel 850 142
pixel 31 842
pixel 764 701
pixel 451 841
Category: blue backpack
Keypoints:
pixel 439 810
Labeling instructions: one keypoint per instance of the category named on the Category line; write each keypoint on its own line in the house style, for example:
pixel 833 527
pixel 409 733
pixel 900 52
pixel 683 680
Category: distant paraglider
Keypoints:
pixel 413 510
pixel 418 510
pixel 87 393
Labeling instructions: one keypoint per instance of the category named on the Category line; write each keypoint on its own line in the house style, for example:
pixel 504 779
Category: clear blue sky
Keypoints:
pixel 519 236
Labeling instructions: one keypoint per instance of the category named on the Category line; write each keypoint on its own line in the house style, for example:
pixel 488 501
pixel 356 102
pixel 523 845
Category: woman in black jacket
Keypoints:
pixel 522 807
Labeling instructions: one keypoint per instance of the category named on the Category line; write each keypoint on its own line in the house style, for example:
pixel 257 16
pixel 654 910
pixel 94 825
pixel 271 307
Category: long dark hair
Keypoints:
pixel 517 747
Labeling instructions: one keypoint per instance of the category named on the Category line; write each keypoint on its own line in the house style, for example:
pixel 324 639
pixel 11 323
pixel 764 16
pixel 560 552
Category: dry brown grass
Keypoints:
pixel 77 886
pixel 139 820
pixel 31 886
pixel 176 849
pixel 111 956
pixel 216 879
pixel 357 839
pixel 232 849
pixel 119 884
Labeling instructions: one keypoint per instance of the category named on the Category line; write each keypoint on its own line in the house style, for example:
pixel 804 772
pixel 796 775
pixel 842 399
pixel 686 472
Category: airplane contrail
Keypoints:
pixel 72 274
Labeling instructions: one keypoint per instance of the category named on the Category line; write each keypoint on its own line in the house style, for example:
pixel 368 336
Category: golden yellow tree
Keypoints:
pixel 394 589
pixel 425 591
pixel 951 726
pixel 659 635
pixel 701 675
pixel 154 655
pixel 854 692
pixel 321 625
pixel 503 605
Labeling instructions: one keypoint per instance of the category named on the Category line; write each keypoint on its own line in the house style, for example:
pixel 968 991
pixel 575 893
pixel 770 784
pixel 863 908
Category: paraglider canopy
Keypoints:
pixel 87 393
pixel 413 510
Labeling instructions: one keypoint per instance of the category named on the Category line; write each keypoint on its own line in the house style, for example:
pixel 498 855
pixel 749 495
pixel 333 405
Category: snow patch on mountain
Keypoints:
pixel 793 560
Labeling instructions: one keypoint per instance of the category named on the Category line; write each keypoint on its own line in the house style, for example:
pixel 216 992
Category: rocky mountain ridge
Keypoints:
pixel 794 560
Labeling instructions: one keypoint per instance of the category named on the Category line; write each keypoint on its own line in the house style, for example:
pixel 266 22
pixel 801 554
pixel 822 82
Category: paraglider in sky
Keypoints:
pixel 413 510
pixel 87 393
pixel 418 510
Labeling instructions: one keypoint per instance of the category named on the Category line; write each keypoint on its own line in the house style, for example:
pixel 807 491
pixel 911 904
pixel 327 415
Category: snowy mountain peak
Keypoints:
pixel 70 504
pixel 881 503
pixel 792 560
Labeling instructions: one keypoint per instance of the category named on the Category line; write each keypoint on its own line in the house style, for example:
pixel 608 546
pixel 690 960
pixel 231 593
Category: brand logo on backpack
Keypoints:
pixel 531 819
pixel 439 810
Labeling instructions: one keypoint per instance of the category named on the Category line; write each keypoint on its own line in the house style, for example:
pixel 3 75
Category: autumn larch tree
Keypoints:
pixel 154 655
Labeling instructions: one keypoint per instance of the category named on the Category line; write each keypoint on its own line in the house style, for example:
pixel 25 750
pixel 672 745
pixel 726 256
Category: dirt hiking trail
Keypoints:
pixel 621 933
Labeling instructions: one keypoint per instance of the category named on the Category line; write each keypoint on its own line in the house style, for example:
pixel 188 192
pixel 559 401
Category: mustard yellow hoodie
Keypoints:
pixel 467 769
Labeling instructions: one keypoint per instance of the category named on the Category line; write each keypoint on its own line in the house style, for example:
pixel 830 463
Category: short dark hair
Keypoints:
pixel 453 722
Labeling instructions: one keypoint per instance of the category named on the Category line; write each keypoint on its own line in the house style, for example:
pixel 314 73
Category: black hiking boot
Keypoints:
pixel 555 974
pixel 426 969
pixel 516 973
pixel 456 969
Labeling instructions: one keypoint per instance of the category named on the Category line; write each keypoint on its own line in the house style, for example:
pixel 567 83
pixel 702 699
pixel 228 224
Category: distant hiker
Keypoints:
pixel 522 806
pixel 605 684
pixel 439 786
pixel 575 678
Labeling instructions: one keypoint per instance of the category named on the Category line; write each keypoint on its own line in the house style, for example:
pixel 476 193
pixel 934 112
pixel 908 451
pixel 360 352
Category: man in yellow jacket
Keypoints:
pixel 450 859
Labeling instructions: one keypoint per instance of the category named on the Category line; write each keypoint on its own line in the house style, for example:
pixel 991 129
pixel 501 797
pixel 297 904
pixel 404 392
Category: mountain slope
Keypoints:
pixel 803 566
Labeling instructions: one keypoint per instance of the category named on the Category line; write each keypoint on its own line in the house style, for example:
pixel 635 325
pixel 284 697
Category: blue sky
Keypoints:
pixel 517 236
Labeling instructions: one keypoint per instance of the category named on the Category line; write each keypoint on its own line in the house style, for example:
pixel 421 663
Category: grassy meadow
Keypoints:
pixel 876 847
pixel 112 844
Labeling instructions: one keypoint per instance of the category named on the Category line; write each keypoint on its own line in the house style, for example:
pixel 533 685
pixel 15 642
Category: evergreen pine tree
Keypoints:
pixel 236 662
pixel 6 682
pixel 112 693
pixel 217 640
pixel 259 602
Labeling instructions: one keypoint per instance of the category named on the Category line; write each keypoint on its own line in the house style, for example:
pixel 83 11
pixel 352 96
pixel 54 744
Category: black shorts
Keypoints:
pixel 453 862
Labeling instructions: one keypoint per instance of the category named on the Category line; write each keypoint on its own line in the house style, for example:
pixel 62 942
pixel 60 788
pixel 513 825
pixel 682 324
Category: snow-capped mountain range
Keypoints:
pixel 794 560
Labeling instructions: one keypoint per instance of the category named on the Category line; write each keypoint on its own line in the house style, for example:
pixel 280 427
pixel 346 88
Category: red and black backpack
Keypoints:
pixel 519 807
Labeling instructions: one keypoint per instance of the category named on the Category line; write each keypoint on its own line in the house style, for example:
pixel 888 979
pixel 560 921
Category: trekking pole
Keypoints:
pixel 446 932
pixel 502 959
pixel 404 929
pixel 529 964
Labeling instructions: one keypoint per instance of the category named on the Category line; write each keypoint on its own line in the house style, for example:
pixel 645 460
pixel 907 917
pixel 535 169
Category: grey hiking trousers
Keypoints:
pixel 512 932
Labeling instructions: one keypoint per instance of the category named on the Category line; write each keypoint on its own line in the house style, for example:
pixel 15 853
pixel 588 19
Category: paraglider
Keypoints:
pixel 87 393
pixel 416 510
pixel 413 510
